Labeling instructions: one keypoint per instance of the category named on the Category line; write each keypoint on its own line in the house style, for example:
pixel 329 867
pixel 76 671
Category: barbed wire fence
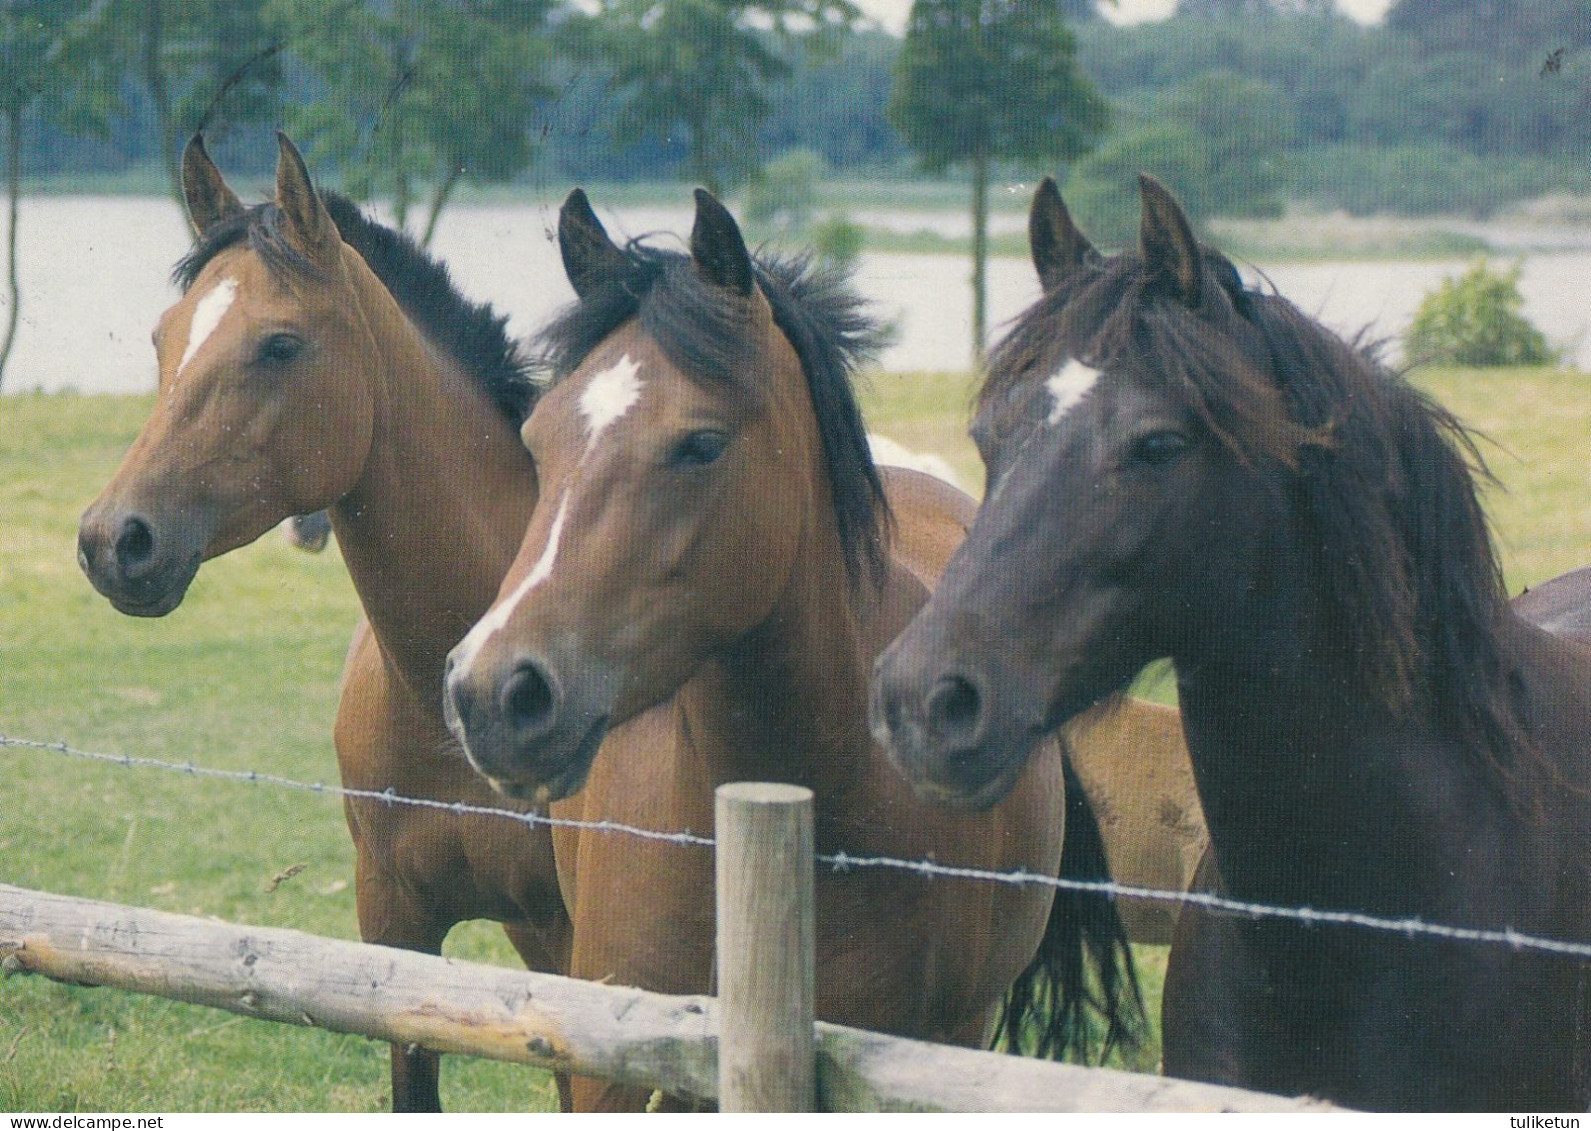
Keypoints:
pixel 841 861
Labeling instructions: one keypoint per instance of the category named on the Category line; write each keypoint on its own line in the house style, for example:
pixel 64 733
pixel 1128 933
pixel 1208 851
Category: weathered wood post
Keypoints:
pixel 766 943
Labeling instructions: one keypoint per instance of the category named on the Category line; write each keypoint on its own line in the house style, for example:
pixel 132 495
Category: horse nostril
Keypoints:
pixel 527 699
pixel 135 545
pixel 953 705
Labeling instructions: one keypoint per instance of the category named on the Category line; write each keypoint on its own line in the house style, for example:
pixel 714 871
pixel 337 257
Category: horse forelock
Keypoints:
pixel 473 334
pixel 1384 479
pixel 261 228
pixel 1113 316
pixel 703 331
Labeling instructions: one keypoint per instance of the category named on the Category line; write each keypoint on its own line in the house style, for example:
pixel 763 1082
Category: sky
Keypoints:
pixel 892 13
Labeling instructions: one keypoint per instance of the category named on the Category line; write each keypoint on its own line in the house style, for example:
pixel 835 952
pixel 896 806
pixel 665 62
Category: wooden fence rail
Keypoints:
pixel 625 1035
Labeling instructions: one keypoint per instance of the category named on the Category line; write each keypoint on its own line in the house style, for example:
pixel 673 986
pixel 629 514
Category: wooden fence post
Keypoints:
pixel 766 943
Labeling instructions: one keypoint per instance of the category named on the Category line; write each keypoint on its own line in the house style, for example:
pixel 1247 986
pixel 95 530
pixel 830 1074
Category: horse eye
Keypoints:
pixel 278 349
pixel 1158 448
pixel 699 448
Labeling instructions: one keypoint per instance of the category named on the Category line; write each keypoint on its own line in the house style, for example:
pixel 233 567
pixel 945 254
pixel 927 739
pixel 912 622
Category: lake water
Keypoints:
pixel 95 270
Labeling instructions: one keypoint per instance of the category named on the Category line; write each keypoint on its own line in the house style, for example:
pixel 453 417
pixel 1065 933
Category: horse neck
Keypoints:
pixel 431 525
pixel 1305 775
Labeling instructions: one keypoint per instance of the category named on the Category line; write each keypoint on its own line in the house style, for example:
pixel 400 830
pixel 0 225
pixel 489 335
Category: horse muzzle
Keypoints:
pixel 142 566
pixel 937 724
pixel 522 730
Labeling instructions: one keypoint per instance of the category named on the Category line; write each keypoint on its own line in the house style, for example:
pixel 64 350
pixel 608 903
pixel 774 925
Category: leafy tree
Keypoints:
pixel 421 92
pixel 1492 29
pixel 982 81
pixel 43 74
pixel 832 103
pixel 1216 143
pixel 1246 9
pixel 1099 189
pixel 200 64
pixel 702 68
pixel 1476 320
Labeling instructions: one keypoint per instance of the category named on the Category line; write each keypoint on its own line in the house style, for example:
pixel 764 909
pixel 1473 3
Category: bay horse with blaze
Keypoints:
pixel 319 360
pixel 714 563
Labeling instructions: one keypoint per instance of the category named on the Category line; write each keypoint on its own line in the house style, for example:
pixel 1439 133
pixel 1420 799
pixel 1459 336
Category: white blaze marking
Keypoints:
pixel 611 394
pixel 1068 387
pixel 207 316
pixel 464 655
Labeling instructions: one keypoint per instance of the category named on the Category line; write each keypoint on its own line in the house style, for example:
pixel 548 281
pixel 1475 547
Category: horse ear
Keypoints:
pixel 1058 247
pixel 1166 237
pixel 717 246
pixel 298 200
pixel 589 255
pixel 208 198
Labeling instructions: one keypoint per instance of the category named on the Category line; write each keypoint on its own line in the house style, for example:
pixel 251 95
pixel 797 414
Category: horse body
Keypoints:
pixel 897 955
pixel 692 607
pixel 1355 811
pixel 1182 467
pixel 292 380
pixel 1562 605
pixel 1134 767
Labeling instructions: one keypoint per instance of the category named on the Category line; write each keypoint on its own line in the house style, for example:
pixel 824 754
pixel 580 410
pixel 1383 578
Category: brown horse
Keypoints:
pixel 1182 466
pixel 1561 606
pixel 1138 779
pixel 318 360
pixel 699 599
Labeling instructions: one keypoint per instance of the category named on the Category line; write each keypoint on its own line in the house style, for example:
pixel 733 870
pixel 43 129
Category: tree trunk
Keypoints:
pixel 980 253
pixel 13 200
pixel 160 97
pixel 439 199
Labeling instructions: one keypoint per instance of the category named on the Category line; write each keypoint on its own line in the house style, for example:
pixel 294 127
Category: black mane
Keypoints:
pixel 703 332
pixel 1381 478
pixel 473 334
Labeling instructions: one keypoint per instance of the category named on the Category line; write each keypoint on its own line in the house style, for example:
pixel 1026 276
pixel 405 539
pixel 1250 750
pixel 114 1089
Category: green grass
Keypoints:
pixel 244 675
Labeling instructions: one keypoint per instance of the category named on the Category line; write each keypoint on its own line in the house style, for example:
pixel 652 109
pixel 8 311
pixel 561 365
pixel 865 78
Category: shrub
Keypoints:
pixel 838 240
pixel 1475 320
pixel 786 190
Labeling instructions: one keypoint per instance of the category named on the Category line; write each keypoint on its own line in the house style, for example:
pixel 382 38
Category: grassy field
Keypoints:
pixel 244 675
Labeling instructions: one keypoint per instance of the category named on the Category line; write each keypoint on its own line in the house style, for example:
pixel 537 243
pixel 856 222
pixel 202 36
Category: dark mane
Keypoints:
pixel 473 334
pixel 1380 478
pixel 703 333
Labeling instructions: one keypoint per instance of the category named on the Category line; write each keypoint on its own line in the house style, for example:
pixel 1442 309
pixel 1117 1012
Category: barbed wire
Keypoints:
pixel 844 862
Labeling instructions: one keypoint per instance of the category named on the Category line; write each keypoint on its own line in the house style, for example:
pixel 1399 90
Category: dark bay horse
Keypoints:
pixel 1184 467
pixel 319 360
pixel 713 566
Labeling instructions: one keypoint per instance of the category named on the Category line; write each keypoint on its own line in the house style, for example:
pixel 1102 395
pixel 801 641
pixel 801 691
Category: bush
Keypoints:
pixel 1475 320
pixel 786 190
pixel 838 240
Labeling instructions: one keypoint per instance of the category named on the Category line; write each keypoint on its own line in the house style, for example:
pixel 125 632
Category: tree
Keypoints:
pixel 41 73
pixel 422 92
pixel 200 64
pixel 702 67
pixel 1247 9
pixel 1215 142
pixel 981 81
pixel 1492 28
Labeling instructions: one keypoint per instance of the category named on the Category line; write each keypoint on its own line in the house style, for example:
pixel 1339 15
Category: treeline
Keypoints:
pixel 1239 105
pixel 1450 105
